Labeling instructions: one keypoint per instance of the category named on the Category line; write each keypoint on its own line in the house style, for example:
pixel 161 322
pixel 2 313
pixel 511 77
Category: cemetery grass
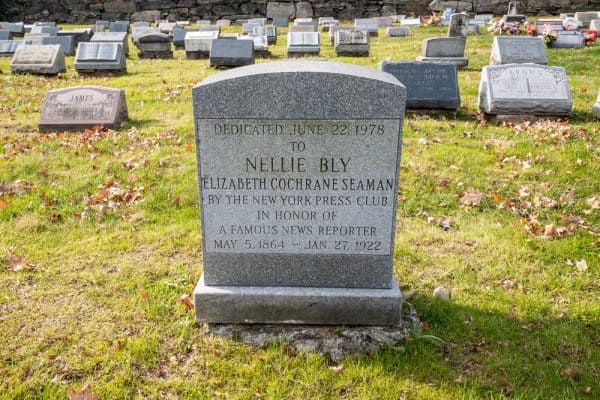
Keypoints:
pixel 100 239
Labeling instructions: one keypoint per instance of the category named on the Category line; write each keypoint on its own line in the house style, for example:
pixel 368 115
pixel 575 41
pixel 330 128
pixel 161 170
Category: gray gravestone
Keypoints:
pixel 17 28
pixel 326 26
pixel 78 35
pixel 524 89
pixel 8 47
pixel 298 194
pixel 248 28
pixel 371 25
pixel 428 85
pixel 95 56
pixel 179 38
pixel 458 26
pixel 302 28
pixel 112 37
pixel 197 44
pixel 596 108
pixel 202 22
pixel 6 35
pixel 303 43
pixel 586 17
pixel 81 107
pixel 513 13
pixel 444 50
pixel 231 53
pixel 44 23
pixel 119 26
pixel 223 23
pixel 210 28
pixel 141 24
pixel 260 43
pixel 281 22
pixel 258 21
pixel 269 31
pixel 38 59
pixel 154 45
pixel 397 31
pixel 105 24
pixel 351 43
pixel 50 30
pixel 137 32
pixel 65 41
pixel 518 50
pixel 568 40
pixel 411 22
pixel 334 29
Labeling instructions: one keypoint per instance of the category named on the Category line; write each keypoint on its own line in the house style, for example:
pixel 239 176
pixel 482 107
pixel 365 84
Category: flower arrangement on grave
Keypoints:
pixel 549 35
pixel 432 20
pixel 499 27
pixel 589 36
pixel 570 24
pixel 530 29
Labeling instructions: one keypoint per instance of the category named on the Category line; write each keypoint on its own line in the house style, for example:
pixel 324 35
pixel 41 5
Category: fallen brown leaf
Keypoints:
pixel 85 394
pixel 472 197
pixel 187 302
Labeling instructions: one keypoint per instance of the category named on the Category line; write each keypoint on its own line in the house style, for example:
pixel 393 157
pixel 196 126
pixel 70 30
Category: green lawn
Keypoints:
pixel 100 237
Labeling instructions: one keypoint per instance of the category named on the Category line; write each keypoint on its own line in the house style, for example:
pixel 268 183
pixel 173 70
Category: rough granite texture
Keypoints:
pixel 524 89
pixel 39 59
pixel 80 107
pixel 429 86
pixel 444 50
pixel 231 53
pixel 518 50
pixel 321 286
pixel 335 343
pixel 100 56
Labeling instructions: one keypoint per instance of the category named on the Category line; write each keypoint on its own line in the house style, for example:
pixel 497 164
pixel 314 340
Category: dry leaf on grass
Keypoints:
pixel 472 197
pixel 85 393
pixel 187 302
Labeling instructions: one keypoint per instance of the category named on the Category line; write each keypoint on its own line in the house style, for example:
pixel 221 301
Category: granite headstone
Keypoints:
pixel 100 56
pixel 39 59
pixel 197 44
pixel 518 50
pixel 444 50
pixel 112 37
pixel 298 194
pixel 303 43
pixel 81 107
pixel 351 43
pixel 458 26
pixel 231 53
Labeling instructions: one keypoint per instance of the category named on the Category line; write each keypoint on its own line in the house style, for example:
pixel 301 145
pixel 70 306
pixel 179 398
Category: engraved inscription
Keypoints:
pixel 298 186
pixel 80 105
pixel 527 82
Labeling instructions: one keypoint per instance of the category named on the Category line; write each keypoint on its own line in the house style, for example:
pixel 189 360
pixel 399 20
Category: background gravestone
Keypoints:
pixel 428 85
pixel 81 107
pixel 444 50
pixel 351 43
pixel 38 59
pixel 99 56
pixel 458 26
pixel 524 89
pixel 298 194
pixel 518 50
pixel 231 53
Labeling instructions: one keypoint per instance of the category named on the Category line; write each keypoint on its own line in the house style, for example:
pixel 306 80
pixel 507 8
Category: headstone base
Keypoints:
pixel 333 342
pixel 197 55
pixel 460 62
pixel 301 51
pixel 596 110
pixel 297 305
pixel 156 54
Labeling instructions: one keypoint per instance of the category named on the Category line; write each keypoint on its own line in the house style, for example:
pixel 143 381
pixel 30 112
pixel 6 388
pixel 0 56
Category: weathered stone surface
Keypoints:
pixel 335 342
pixel 397 31
pixel 586 17
pixel 179 37
pixel 281 22
pixel 65 41
pixel 137 32
pixel 302 28
pixel 334 29
pixel 154 45
pixel 458 26
pixel 278 275
pixel 444 50
pixel 569 40
pixel 428 86
pixel 197 44
pixel 276 9
pixel 119 27
pixel 370 25
pixel 518 50
pixel 6 35
pixel 231 53
pixel 351 43
pixel 81 107
pixel 524 89
pixel 78 35
pixel 51 30
pixel 8 47
pixel 38 59
pixel 113 37
pixel 97 56
pixel 260 43
pixel 304 10
pixel 301 43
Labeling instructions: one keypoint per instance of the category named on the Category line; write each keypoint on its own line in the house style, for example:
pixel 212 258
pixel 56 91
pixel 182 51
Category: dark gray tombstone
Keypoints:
pixel 82 107
pixel 65 41
pixel 42 29
pixel 458 26
pixel 113 37
pixel 6 35
pixel 100 56
pixel 8 47
pixel 79 35
pixel 428 86
pixel 231 53
pixel 524 89
pixel 518 50
pixel 137 32
pixel 371 25
pixel 298 194
pixel 444 50
pixel 119 27
pixel 154 45
pixel 281 22
pixel 351 43
pixel 38 59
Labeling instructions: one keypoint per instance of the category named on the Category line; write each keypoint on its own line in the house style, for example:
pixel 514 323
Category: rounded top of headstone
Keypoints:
pixel 302 90
pixel 286 67
pixel 153 37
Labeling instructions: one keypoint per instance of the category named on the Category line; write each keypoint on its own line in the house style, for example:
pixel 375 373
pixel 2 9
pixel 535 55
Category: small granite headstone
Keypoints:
pixel 524 89
pixel 301 28
pixel 137 32
pixel 411 22
pixel 458 26
pixel 258 21
pixel 44 23
pixel 50 30
pixel 334 29
pixel 248 28
pixel 568 40
pixel 141 24
pixel 82 107
pixel 79 35
pixel 197 44
pixel 223 23
pixel 298 194
pixel 586 17
pixel 518 50
pixel 542 24
pixel 385 22
pixel 231 53
pixel 351 43
pixel 154 45
pixel 95 56
pixel 513 13
pixel 65 41
pixel 119 27
pixel 328 24
pixel 39 59
pixel 428 86
pixel 305 22
pixel 303 43
pixel 281 22
pixel 105 24
pixel 179 38
pixel 113 37
pixel 6 35
pixel 8 47
pixel 370 25
pixel 397 31
pixel 260 42
pixel 444 50
pixel 17 28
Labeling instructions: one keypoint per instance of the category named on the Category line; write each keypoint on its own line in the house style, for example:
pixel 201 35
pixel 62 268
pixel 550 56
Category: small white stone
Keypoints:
pixel 441 293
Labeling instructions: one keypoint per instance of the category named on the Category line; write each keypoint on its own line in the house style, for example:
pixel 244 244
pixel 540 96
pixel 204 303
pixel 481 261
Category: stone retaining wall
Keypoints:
pixel 85 11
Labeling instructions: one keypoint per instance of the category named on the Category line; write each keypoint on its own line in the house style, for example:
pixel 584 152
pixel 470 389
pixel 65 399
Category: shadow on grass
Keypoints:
pixel 486 354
